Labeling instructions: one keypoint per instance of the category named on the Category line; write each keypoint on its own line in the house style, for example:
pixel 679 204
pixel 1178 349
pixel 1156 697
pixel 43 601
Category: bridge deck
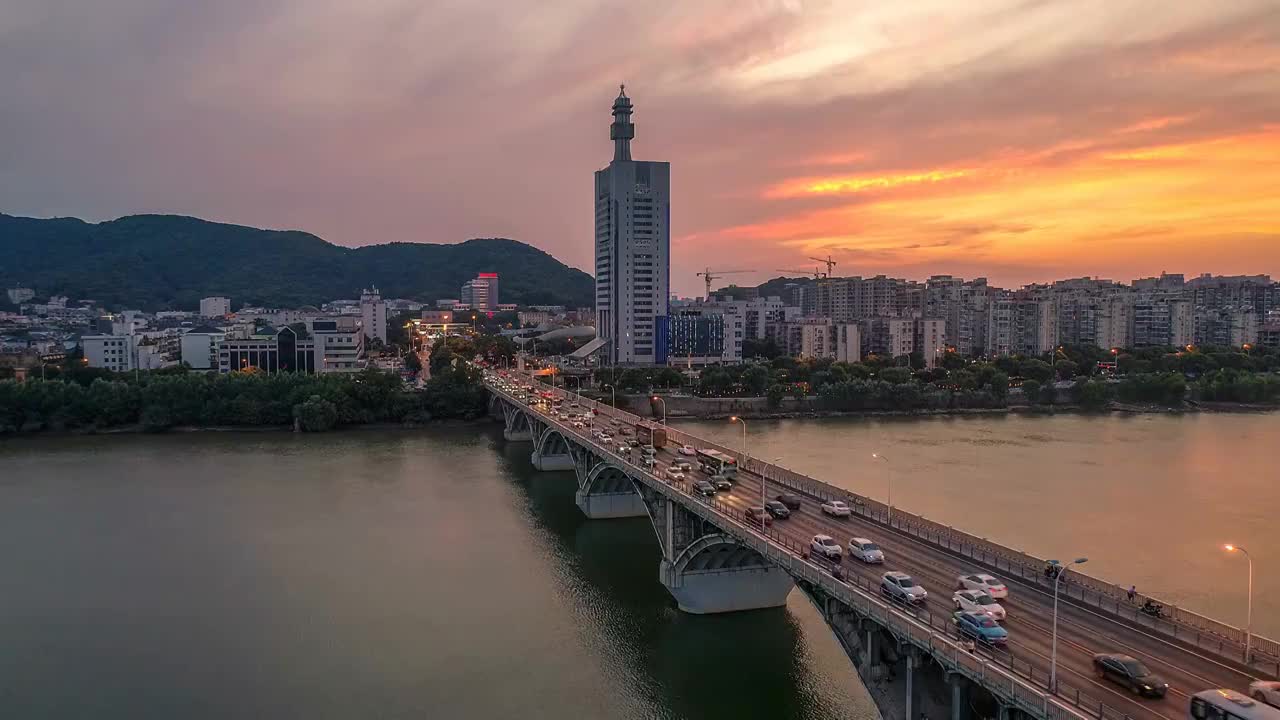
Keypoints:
pixel 1081 631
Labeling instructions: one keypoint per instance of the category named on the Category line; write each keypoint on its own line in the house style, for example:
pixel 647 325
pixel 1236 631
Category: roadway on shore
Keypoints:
pixel 1081 633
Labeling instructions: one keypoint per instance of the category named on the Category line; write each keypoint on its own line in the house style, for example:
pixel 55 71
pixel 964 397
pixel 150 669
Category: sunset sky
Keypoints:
pixel 1023 140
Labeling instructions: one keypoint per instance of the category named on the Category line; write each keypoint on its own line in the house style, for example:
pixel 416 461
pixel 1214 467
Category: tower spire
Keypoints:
pixel 622 131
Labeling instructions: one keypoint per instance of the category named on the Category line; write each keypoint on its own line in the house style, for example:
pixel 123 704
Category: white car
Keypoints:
pixel 1267 691
pixel 826 546
pixel 686 450
pixel 979 602
pixel 866 551
pixel 836 508
pixel 683 465
pixel 899 586
pixel 984 583
pixel 674 475
pixel 578 424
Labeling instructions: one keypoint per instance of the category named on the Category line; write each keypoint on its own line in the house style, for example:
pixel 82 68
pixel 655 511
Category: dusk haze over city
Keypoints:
pixel 1020 141
pixel 687 360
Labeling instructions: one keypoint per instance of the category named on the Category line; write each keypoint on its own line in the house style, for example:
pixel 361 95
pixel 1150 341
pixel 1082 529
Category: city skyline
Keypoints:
pixel 1018 142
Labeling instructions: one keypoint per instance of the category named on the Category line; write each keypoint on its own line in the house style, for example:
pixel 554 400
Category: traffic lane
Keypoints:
pixel 1184 669
pixel 1028 642
pixel 1075 668
pixel 943 568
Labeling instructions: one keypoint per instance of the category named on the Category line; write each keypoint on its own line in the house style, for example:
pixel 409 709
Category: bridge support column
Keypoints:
pixel 600 506
pixel 870 648
pixel 551 463
pixel 721 591
pixel 959 696
pixel 911 664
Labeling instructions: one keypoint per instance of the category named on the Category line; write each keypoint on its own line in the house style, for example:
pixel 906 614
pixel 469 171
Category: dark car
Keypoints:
pixel 791 501
pixel 703 487
pixel 721 482
pixel 777 509
pixel 755 515
pixel 1130 672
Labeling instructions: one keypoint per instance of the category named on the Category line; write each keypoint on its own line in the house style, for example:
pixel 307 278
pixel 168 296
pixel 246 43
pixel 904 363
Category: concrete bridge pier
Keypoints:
pixel 959 696
pixel 910 680
pixel 516 426
pixel 728 590
pixel 606 491
pixel 551 452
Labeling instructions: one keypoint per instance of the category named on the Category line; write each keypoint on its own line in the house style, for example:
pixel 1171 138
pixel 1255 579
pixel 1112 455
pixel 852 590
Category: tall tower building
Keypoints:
pixel 373 314
pixel 633 249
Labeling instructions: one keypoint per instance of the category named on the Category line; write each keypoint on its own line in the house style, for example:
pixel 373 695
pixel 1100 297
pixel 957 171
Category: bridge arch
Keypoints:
pixel 714 552
pixel 608 478
pixel 552 442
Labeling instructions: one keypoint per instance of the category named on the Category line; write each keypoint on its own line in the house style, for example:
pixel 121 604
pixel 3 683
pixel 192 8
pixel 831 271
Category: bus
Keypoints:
pixel 1229 705
pixel 714 462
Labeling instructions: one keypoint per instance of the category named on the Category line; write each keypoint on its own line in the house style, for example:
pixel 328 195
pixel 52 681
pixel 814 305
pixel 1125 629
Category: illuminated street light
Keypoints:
pixel 1248 621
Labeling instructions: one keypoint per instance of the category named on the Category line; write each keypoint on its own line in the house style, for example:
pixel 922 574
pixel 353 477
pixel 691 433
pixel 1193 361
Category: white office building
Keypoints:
pixel 215 307
pixel 199 347
pixel 112 352
pixel 373 314
pixel 633 250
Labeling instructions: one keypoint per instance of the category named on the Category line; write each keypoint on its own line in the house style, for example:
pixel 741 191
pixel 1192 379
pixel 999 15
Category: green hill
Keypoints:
pixel 157 262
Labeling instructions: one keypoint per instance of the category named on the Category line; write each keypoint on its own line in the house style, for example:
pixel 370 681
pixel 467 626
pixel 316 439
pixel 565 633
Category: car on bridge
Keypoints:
pixel 704 488
pixel 866 551
pixel 979 602
pixel 721 482
pixel 777 509
pixel 1267 691
pixel 984 583
pixel 826 546
pixel 1130 672
pixel 675 475
pixel 836 508
pixel 901 587
pixel 980 627
pixel 755 515
pixel 682 465
pixel 686 450
pixel 791 500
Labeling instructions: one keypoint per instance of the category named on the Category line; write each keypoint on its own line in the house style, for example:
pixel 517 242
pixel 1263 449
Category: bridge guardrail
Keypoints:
pixel 933 633
pixel 1186 626
pixel 1182 625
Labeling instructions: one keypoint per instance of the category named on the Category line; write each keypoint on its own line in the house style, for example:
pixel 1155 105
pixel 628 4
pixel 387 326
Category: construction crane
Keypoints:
pixel 710 275
pixel 831 264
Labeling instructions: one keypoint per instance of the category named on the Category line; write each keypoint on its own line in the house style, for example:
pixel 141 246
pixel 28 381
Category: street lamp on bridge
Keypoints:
pixel 1053 660
pixel 743 465
pixel 1248 621
pixel 614 392
pixel 888 474
pixel 655 398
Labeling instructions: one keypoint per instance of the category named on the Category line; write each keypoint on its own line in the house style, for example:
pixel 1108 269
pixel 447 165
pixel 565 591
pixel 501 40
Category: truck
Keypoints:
pixel 651 435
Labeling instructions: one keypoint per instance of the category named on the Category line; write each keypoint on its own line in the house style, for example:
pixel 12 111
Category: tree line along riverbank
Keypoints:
pixel 160 400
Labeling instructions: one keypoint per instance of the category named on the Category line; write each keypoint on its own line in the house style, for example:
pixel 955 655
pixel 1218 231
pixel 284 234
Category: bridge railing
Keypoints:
pixel 1182 625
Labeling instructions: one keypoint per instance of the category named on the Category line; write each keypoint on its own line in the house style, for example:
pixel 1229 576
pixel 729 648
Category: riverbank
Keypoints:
pixel 140 429
pixel 694 408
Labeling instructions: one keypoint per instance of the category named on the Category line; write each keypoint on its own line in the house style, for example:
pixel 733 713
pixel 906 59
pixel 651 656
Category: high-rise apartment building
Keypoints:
pixel 373 314
pixel 632 249
pixel 481 293
pixel 215 307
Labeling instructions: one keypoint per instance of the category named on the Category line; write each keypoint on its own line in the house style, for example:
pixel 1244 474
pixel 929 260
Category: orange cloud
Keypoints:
pixel 860 183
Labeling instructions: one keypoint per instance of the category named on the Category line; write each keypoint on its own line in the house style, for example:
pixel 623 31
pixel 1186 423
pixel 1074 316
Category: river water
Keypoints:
pixel 433 574
pixel 371 574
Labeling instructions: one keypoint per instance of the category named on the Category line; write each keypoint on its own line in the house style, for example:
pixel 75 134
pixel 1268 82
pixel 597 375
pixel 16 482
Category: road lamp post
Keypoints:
pixel 1248 621
pixel 743 466
pixel 888 474
pixel 613 391
pixel 1053 660
pixel 655 398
